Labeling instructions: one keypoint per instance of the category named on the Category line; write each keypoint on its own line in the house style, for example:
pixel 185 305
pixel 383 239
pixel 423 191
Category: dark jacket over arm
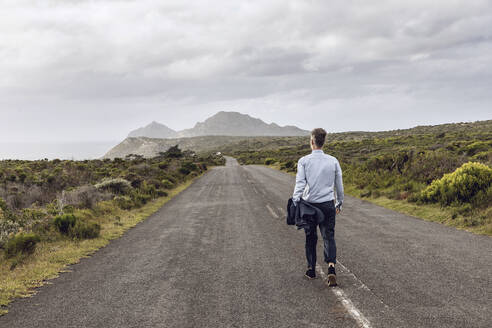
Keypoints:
pixel 303 214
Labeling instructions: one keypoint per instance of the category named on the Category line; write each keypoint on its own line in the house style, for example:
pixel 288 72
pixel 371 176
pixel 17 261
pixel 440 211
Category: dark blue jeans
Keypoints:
pixel 327 229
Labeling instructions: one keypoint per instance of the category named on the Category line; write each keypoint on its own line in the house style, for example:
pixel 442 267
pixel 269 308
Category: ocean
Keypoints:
pixel 52 150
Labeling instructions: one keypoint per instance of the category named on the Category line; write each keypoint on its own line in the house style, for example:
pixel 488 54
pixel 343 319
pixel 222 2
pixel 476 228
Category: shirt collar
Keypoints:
pixel 318 151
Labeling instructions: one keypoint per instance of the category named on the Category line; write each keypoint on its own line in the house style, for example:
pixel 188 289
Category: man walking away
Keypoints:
pixel 319 176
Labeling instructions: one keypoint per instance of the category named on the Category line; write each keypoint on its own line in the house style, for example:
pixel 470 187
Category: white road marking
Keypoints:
pixel 271 211
pixel 347 303
pixel 353 276
pixel 362 285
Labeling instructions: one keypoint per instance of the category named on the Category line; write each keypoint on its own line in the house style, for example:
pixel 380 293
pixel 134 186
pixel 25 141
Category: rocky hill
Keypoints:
pixel 154 130
pixel 149 147
pixel 221 124
pixel 237 124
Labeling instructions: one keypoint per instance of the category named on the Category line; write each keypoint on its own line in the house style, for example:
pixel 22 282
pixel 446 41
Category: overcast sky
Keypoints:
pixel 93 70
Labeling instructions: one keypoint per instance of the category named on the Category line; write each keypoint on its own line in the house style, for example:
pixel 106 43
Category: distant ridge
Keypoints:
pixel 221 124
pixel 236 124
pixel 153 130
pixel 149 147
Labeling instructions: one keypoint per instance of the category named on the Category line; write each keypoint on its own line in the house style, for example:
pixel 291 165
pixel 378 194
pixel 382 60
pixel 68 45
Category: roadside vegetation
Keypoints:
pixel 441 173
pixel 52 213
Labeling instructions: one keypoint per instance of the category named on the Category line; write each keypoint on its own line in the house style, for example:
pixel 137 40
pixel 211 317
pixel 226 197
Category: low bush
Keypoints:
pixel 184 171
pixel 163 165
pixel 7 228
pixel 269 161
pixel 85 196
pixel 140 199
pixel 117 186
pixel 85 230
pixel 167 184
pixel 3 204
pixel 124 202
pixel 188 167
pixel 470 183
pixel 290 164
pixel 483 156
pixel 64 222
pixel 173 152
pixel 477 147
pixel 22 243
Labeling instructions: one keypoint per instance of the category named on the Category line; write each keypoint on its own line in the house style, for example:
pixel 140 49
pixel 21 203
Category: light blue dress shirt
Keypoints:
pixel 318 178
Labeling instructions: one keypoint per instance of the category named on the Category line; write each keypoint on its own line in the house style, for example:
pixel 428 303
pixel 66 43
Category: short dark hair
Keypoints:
pixel 319 136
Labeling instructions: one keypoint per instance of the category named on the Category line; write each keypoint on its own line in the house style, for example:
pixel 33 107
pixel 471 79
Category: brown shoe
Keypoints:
pixel 332 277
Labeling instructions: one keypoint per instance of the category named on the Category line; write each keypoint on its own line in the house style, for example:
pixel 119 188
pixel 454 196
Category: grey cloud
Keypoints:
pixel 178 61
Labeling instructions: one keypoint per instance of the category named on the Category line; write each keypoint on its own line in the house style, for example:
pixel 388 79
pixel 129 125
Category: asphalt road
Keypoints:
pixel 220 255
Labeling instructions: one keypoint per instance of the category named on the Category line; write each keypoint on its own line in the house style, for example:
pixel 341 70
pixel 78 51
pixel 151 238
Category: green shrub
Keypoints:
pixel 117 186
pixel 462 186
pixel 167 184
pixel 269 161
pixel 478 146
pixel 3 204
pixel 290 164
pixel 124 202
pixel 428 166
pixel 135 180
pixel 188 167
pixel 149 190
pixel 64 222
pixel 7 227
pixel 85 230
pixel 22 243
pixel 173 152
pixel 483 156
pixel 140 199
pixel 163 165
pixel 68 209
pixel 184 170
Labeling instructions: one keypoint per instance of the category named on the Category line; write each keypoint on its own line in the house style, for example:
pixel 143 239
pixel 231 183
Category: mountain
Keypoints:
pixel 237 124
pixel 212 134
pixel 221 124
pixel 154 130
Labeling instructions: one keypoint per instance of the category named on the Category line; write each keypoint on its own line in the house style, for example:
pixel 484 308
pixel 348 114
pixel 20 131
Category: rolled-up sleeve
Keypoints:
pixel 300 181
pixel 338 183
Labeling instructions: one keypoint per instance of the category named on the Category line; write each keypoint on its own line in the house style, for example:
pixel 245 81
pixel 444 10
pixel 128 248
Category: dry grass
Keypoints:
pixel 428 212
